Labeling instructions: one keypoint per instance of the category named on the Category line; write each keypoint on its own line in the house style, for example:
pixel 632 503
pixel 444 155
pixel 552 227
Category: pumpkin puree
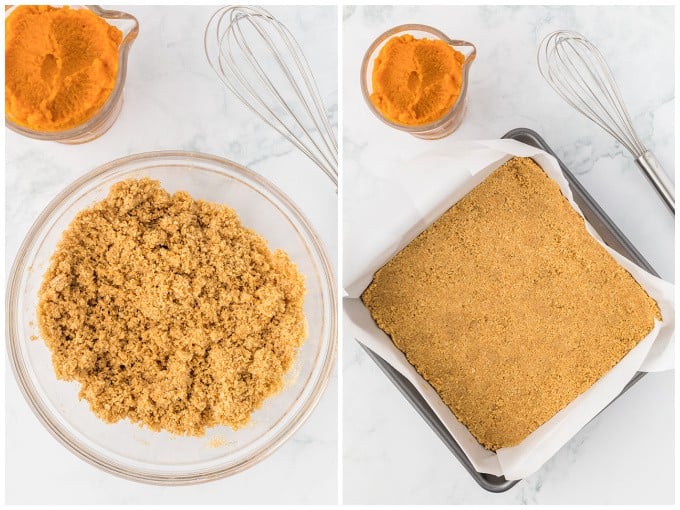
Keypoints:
pixel 416 81
pixel 60 66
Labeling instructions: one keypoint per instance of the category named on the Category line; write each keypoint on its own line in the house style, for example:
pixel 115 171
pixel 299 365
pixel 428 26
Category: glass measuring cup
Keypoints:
pixel 448 122
pixel 101 121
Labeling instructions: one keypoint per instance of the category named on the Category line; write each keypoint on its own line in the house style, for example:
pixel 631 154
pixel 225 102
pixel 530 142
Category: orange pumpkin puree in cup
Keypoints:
pixel 416 81
pixel 61 66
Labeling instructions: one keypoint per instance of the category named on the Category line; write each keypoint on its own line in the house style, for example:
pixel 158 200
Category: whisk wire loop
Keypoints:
pixel 241 41
pixel 578 72
pixel 257 68
pixel 257 58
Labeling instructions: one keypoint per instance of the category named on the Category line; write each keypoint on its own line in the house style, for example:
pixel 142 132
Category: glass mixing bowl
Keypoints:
pixel 126 449
pixel 452 119
pixel 100 123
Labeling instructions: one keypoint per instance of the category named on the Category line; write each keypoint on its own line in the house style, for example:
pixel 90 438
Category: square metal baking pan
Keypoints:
pixel 609 233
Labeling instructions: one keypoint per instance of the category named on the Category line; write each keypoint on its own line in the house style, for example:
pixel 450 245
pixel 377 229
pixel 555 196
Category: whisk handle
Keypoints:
pixel 656 175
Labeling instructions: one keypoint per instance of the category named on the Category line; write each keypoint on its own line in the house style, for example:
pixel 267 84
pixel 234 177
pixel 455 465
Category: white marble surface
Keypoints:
pixel 174 101
pixel 626 455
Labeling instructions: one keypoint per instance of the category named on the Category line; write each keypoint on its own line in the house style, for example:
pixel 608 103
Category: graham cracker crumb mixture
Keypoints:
pixel 508 307
pixel 169 312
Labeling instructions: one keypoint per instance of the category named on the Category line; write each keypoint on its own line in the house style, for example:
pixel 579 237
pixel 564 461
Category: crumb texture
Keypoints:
pixel 508 307
pixel 169 312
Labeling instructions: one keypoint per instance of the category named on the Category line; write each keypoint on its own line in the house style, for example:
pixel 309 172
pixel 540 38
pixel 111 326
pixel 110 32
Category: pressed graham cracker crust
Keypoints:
pixel 169 312
pixel 508 307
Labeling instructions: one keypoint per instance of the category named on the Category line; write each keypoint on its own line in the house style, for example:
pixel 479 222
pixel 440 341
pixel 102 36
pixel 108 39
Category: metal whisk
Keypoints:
pixel 260 61
pixel 578 72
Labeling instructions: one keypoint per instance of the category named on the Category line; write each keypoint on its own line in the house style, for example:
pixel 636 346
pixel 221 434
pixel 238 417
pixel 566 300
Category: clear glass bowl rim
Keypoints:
pixel 458 105
pixel 29 392
pixel 116 94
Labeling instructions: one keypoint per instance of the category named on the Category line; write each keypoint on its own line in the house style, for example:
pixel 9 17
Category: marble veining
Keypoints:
pixel 626 454
pixel 173 100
